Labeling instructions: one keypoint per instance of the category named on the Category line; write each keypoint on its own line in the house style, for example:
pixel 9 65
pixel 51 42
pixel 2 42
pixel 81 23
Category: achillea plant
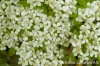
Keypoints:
pixel 50 32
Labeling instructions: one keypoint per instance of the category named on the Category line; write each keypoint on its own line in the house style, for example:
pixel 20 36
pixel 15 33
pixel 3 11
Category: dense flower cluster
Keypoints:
pixel 37 36
pixel 89 32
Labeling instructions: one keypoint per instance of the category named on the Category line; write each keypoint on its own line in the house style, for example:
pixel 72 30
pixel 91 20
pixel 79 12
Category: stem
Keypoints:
pixel 69 50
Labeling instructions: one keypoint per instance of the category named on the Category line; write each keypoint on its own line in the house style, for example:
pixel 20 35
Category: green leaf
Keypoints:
pixel 76 23
pixel 98 60
pixel 11 52
pixel 82 3
pixel 51 13
pixel 3 60
pixel 89 1
pixel 30 38
pixel 75 32
pixel 13 60
pixel 78 6
pixel 3 52
pixel 20 33
pixel 24 3
pixel 44 8
pixel 83 48
pixel 4 64
pixel 73 15
pixel 89 64
pixel 36 48
pixel 72 57
pixel 44 47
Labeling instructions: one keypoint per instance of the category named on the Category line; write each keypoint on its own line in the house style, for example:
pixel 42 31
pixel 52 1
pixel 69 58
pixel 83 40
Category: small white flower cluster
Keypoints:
pixel 35 35
pixel 89 32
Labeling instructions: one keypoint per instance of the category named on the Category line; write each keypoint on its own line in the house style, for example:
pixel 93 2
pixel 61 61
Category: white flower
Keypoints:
pixel 65 8
pixel 83 57
pixel 23 13
pixel 60 62
pixel 52 3
pixel 97 16
pixel 34 43
pixel 85 28
pixel 98 48
pixel 25 38
pixel 91 51
pixel 50 55
pixel 75 41
pixel 96 45
pixel 3 6
pixel 65 16
pixel 76 50
pixel 83 38
pixel 55 61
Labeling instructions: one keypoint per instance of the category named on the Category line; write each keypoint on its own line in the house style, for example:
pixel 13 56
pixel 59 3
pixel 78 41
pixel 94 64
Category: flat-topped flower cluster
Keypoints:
pixel 38 37
pixel 89 32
